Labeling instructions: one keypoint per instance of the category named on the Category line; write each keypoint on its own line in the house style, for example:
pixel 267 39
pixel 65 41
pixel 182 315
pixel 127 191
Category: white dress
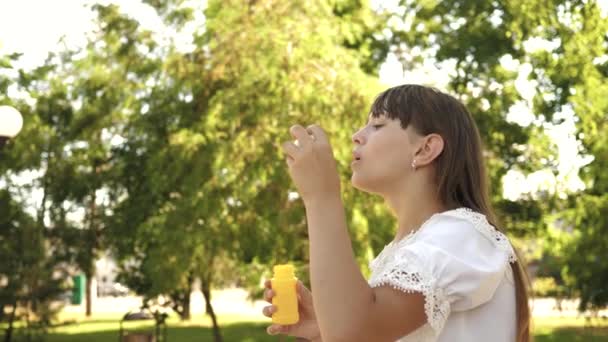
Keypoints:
pixel 461 264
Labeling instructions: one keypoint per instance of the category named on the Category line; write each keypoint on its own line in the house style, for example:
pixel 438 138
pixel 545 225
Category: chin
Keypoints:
pixel 362 185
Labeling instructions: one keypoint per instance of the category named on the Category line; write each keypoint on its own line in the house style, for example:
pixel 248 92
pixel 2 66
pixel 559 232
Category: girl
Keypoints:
pixel 449 274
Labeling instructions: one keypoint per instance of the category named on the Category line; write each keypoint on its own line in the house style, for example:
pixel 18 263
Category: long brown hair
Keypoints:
pixel 460 170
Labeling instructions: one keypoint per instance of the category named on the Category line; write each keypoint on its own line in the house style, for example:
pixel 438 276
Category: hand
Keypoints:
pixel 307 325
pixel 311 163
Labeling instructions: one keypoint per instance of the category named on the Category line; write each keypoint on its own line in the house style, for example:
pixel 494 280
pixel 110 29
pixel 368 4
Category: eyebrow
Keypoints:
pixel 379 117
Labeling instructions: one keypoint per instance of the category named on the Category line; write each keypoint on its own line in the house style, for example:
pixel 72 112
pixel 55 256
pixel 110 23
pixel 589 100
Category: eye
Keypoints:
pixel 377 126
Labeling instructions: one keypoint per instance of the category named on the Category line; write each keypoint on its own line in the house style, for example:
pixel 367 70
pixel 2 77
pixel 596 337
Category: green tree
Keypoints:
pixel 33 268
pixel 73 112
pixel 583 79
pixel 29 281
pixel 71 107
pixel 199 180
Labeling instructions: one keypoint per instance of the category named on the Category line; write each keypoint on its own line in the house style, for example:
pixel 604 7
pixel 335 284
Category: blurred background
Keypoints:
pixel 143 195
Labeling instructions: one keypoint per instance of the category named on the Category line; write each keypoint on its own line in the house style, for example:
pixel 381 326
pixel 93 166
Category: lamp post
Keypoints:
pixel 11 122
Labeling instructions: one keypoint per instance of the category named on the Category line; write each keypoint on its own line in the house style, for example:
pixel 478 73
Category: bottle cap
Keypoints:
pixel 284 271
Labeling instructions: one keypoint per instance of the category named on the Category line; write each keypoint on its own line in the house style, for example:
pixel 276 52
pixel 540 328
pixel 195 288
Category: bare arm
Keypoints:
pixel 347 308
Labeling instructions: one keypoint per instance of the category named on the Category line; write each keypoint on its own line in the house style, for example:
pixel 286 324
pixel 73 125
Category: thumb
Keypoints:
pixel 302 290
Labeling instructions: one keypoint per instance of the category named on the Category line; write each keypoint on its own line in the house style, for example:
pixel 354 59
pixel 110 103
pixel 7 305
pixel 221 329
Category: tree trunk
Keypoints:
pixel 92 246
pixel 186 313
pixel 9 331
pixel 181 300
pixel 206 289
pixel 88 297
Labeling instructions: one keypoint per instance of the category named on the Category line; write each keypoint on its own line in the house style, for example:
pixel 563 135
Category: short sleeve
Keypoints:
pixel 456 260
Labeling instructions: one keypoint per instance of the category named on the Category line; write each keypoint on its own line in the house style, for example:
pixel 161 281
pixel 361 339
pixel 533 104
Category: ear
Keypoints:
pixel 430 147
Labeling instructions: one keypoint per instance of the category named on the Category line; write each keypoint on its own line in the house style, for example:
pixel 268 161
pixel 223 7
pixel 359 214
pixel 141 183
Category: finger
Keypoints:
pixel 290 148
pixel 311 133
pixel 304 295
pixel 277 329
pixel 290 160
pixel 268 294
pixel 269 310
pixel 301 288
pixel 301 135
pixel 272 330
pixel 317 132
pixel 290 151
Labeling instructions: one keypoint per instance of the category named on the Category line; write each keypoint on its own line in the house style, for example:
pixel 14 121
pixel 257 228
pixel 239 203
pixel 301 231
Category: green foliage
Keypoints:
pixel 547 287
pixel 72 105
pixel 199 187
pixel 31 279
pixel 585 268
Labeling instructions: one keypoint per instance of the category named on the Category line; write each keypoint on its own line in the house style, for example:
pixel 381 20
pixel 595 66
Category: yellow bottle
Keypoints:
pixel 285 299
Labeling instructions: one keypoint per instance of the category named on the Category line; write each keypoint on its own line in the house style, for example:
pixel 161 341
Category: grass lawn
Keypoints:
pixel 252 329
pixel 106 328
pixel 554 329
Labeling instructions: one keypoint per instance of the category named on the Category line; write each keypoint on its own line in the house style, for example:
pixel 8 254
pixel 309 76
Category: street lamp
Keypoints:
pixel 10 123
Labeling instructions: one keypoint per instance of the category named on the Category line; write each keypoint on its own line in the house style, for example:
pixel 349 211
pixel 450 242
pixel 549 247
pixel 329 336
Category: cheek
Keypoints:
pixel 381 166
pixel 385 162
pixel 390 154
pixel 393 164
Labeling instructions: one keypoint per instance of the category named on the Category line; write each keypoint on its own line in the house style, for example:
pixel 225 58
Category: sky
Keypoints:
pixel 34 28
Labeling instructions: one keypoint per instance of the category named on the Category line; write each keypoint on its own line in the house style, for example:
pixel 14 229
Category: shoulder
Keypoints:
pixel 451 223
pixel 456 229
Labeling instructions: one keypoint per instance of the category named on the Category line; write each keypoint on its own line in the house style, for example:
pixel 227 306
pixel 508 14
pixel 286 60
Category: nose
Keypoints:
pixel 358 137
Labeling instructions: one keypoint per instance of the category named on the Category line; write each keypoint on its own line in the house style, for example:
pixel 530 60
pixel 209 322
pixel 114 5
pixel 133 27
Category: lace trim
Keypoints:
pixel 401 274
pixel 481 224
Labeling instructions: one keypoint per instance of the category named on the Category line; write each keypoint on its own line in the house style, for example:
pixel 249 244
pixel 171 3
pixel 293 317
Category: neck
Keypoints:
pixel 413 205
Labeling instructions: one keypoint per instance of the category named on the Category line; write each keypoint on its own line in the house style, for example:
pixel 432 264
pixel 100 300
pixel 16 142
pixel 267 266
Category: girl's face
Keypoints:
pixel 382 156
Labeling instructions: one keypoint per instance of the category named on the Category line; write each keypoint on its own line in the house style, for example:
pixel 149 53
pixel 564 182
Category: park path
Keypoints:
pixel 234 301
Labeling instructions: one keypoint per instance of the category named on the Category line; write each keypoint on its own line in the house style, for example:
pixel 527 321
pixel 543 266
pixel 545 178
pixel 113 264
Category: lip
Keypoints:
pixel 356 155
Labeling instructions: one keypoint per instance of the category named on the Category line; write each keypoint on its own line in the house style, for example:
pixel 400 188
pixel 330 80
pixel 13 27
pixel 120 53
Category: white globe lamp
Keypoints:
pixel 11 123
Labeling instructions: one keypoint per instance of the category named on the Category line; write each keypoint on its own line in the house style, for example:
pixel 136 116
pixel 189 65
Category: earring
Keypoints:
pixel 414 164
